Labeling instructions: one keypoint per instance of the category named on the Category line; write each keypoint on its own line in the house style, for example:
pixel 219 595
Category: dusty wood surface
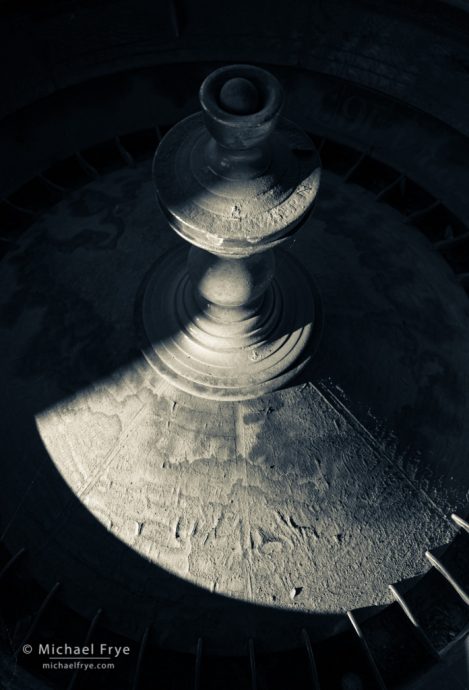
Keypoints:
pixel 228 520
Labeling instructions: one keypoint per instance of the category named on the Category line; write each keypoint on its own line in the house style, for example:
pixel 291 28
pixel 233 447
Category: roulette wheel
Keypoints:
pixel 311 536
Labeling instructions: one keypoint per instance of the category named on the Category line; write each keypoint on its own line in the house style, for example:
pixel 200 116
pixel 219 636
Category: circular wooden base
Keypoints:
pixel 213 358
pixel 199 518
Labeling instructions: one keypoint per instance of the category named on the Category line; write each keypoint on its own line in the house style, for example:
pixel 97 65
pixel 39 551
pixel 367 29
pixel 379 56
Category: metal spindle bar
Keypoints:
pixel 174 18
pixel 88 636
pixel 415 624
pixel 86 167
pixel 92 626
pixel 252 664
pixel 452 242
pixel 356 165
pixel 198 664
pixel 374 668
pixel 51 185
pixel 390 187
pixel 438 565
pixel 39 614
pixel 311 660
pixel 141 653
pixel 458 520
pixel 9 564
pixel 19 209
pixel 422 212
pixel 124 153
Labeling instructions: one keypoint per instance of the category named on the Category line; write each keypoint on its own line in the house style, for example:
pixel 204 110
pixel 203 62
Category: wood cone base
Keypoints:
pixel 231 359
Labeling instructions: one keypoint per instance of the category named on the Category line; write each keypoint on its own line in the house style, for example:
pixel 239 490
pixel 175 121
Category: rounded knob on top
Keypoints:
pixel 241 105
pixel 239 96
